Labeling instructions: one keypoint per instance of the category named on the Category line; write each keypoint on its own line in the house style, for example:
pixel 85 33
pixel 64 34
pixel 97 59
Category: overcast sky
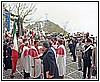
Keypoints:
pixel 77 16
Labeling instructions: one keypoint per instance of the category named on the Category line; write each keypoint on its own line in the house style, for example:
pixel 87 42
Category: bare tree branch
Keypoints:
pixel 22 10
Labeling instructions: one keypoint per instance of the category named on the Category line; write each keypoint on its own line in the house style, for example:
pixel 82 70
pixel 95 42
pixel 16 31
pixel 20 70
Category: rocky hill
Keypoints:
pixel 49 26
pixel 52 27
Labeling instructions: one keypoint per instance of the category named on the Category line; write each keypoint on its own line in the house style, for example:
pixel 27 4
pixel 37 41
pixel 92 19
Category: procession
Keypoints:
pixel 38 54
pixel 32 52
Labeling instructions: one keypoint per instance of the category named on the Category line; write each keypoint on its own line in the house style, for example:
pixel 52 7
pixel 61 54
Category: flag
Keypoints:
pixel 14 30
pixel 15 47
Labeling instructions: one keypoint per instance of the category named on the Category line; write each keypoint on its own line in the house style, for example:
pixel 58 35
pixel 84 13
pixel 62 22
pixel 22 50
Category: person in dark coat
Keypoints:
pixel 7 55
pixel 72 46
pixel 87 58
pixel 83 41
pixel 49 63
pixel 4 55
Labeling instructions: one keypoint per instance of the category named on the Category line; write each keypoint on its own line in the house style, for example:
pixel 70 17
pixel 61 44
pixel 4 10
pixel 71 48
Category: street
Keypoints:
pixel 71 71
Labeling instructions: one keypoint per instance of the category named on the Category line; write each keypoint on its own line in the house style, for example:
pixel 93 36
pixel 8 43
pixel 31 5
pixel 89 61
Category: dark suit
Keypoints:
pixel 87 62
pixel 7 56
pixel 72 49
pixel 49 63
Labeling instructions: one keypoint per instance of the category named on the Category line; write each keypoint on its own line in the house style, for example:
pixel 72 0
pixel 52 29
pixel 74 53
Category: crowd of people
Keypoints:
pixel 47 54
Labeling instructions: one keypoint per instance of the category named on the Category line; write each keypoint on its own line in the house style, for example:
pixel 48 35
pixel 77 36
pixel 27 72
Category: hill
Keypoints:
pixel 52 27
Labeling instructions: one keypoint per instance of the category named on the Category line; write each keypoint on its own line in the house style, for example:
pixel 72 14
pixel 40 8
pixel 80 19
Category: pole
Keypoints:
pixel 19 72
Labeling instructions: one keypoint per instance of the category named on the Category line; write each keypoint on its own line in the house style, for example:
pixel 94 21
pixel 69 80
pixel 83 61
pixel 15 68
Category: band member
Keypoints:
pixel 61 59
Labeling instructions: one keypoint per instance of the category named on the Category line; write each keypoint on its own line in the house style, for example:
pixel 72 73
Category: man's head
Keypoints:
pixel 25 41
pixel 11 44
pixel 84 36
pixel 80 40
pixel 54 40
pixel 87 41
pixel 60 42
pixel 71 37
pixel 45 45
pixel 36 43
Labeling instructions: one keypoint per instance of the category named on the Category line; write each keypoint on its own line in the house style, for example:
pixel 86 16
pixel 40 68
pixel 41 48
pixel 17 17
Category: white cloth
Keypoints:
pixel 61 62
pixel 25 60
pixel 36 71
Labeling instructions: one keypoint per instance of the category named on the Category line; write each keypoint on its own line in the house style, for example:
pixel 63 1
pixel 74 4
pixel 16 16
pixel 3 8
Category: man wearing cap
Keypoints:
pixel 79 50
pixel 49 62
pixel 87 58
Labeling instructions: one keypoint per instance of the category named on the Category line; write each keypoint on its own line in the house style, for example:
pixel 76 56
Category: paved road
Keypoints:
pixel 71 71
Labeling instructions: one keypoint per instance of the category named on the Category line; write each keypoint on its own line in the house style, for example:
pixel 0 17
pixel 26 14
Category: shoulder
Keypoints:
pixel 50 50
pixel 60 50
pixel 83 43
pixel 77 44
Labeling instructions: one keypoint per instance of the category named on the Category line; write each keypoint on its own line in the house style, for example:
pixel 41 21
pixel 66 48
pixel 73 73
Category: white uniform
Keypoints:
pixel 25 60
pixel 36 71
pixel 61 60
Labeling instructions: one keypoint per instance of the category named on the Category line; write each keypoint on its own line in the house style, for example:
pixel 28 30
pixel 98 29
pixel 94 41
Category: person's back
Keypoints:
pixel 49 63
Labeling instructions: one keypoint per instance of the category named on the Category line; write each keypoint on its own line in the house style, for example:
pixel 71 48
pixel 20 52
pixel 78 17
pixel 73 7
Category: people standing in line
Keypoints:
pixel 61 59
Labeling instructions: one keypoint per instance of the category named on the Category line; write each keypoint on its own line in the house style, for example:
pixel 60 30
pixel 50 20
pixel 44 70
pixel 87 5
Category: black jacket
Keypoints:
pixel 49 63
pixel 7 52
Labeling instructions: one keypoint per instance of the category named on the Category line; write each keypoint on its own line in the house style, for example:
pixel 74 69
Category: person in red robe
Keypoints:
pixel 35 63
pixel 25 61
pixel 61 59
pixel 31 41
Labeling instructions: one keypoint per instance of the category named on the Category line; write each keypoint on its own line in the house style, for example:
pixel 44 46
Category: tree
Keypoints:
pixel 21 10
